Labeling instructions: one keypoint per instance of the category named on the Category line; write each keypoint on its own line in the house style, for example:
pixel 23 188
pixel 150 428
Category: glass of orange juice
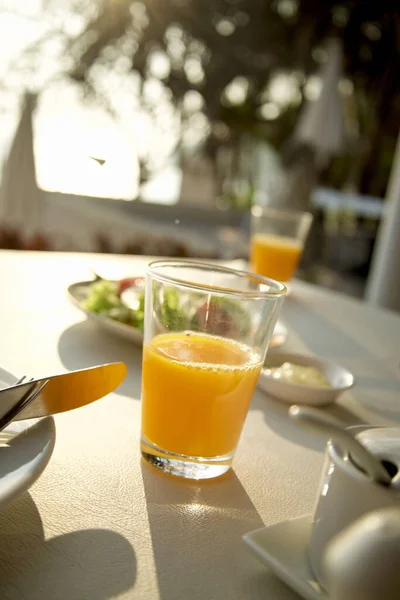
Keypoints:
pixel 207 329
pixel 277 241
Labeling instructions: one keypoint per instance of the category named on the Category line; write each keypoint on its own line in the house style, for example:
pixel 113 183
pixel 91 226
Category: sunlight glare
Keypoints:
pixel 269 111
pixel 236 92
pixel 159 64
pixel 312 89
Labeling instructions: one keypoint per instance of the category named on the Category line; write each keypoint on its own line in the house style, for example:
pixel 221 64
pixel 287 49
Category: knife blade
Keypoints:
pixel 63 392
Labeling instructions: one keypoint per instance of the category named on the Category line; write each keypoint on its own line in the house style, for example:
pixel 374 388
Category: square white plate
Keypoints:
pixel 283 547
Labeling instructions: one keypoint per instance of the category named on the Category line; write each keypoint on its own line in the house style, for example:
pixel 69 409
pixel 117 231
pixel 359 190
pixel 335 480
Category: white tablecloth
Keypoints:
pixel 100 523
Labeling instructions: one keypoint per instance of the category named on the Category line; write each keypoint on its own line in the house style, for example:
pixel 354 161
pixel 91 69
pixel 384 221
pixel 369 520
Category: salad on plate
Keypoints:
pixel 118 305
pixel 123 301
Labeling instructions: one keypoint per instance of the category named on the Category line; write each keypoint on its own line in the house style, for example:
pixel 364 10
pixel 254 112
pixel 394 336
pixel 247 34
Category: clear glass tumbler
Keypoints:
pixel 277 241
pixel 207 330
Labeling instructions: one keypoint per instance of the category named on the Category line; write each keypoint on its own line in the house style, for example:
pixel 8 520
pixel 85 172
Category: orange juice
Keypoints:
pixel 275 256
pixel 196 390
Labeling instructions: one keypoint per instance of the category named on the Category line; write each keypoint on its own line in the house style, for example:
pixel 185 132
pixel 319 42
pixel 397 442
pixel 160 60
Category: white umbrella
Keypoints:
pixel 20 198
pixel 321 122
pixel 383 287
pixel 320 128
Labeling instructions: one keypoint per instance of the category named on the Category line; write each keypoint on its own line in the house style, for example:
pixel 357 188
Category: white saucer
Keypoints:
pixel 283 547
pixel 25 449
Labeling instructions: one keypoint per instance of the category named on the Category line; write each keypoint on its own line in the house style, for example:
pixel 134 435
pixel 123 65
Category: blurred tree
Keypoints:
pixel 234 67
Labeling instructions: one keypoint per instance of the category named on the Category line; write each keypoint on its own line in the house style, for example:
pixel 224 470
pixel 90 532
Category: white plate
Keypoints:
pixel 25 450
pixel 77 293
pixel 283 547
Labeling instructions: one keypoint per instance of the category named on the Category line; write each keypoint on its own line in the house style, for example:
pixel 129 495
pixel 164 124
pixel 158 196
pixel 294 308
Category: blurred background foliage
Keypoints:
pixel 211 73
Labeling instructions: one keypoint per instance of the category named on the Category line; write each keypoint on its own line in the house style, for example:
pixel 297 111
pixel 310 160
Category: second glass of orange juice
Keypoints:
pixel 277 241
pixel 207 329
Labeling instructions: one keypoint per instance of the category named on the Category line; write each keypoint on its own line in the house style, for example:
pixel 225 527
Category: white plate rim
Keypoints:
pixel 26 474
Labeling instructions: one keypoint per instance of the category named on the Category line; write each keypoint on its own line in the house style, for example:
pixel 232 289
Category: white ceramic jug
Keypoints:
pixel 363 561
pixel 346 493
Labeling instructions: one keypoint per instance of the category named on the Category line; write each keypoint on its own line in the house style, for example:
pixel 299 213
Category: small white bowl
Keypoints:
pixel 294 393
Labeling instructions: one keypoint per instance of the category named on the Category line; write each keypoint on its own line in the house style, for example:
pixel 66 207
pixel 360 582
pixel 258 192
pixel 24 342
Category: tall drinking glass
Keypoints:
pixel 277 241
pixel 207 329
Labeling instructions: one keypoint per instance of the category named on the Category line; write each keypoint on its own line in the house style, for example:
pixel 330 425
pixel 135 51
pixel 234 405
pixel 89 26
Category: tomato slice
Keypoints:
pixel 128 282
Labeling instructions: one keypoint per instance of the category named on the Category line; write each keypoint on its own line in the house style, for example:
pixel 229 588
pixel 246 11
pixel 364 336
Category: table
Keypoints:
pixel 100 523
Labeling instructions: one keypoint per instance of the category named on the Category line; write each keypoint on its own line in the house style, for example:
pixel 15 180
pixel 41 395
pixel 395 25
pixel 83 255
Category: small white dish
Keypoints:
pixel 25 449
pixel 284 548
pixel 294 393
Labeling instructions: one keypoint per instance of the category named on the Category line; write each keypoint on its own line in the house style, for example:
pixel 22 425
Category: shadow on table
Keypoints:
pixel 196 530
pixel 21 530
pixel 84 345
pixel 95 563
pixel 338 346
pixel 333 343
pixel 382 392
pixel 277 418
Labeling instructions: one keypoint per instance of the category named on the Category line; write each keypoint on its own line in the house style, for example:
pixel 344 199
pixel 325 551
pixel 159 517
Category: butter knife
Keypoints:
pixel 59 393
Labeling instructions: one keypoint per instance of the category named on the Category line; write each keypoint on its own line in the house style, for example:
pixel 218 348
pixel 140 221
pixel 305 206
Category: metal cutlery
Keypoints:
pixel 325 424
pixel 58 393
